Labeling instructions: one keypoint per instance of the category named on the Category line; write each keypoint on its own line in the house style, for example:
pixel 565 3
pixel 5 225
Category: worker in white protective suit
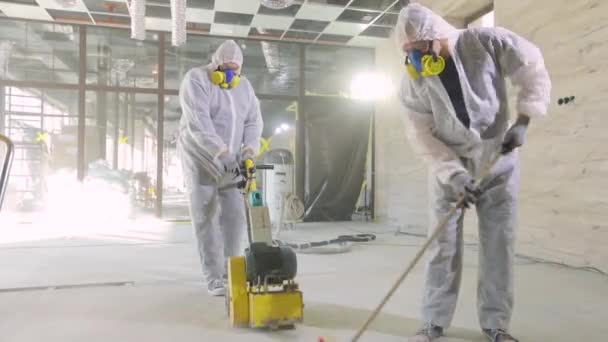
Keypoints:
pixel 220 127
pixel 455 99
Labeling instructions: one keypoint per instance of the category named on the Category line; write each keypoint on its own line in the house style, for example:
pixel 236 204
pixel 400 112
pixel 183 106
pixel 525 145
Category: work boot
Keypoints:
pixel 499 335
pixel 428 333
pixel 216 288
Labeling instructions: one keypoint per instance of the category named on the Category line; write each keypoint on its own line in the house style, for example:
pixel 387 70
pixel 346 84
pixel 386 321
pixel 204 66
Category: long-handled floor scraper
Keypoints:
pixel 438 230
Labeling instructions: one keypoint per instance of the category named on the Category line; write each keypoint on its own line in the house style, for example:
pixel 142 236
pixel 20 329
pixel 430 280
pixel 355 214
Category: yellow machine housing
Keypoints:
pixel 262 306
pixel 261 303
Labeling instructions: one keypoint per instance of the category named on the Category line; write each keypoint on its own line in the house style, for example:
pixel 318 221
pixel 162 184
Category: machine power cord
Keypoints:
pixel 340 240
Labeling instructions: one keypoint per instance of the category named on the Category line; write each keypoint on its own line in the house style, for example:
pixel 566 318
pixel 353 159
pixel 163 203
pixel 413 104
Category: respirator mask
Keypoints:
pixel 418 63
pixel 225 79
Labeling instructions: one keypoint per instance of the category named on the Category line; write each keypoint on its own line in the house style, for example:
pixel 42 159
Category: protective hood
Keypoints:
pixel 228 52
pixel 417 23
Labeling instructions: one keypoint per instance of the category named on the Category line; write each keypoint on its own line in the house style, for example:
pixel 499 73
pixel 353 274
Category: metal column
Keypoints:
pixel 116 132
pixel 160 129
pixel 301 129
pixel 82 79
pixel 103 69
pixel 132 129
pixel 2 95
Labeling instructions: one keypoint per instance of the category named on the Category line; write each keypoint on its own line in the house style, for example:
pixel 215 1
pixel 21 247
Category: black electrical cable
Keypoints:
pixel 357 238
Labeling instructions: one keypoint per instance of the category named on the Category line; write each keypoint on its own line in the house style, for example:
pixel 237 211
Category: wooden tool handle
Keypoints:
pixel 438 230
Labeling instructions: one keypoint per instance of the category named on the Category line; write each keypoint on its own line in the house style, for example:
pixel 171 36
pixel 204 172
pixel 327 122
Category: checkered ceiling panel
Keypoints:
pixel 351 22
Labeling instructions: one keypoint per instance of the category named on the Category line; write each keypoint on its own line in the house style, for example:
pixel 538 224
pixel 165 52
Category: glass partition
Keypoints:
pixel 35 51
pixel 121 145
pixel 271 67
pixel 113 58
pixel 120 129
pixel 42 123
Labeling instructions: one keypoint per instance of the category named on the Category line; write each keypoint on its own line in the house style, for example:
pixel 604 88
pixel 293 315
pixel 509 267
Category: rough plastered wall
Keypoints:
pixel 564 182
pixel 401 178
pixel 564 185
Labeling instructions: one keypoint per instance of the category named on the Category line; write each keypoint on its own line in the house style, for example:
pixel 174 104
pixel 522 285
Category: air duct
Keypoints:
pixel 138 19
pixel 178 22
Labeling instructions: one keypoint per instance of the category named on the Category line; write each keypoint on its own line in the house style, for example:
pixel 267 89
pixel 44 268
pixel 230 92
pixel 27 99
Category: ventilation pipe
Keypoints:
pixel 178 22
pixel 138 19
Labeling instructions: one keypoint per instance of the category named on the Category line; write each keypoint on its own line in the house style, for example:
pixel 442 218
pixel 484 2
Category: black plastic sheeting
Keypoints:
pixel 336 138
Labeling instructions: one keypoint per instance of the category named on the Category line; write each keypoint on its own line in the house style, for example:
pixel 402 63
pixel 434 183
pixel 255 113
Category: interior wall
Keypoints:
pixel 564 185
pixel 564 191
pixel 401 178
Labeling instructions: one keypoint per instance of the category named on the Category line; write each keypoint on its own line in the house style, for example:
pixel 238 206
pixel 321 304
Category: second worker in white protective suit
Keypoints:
pixel 458 119
pixel 220 126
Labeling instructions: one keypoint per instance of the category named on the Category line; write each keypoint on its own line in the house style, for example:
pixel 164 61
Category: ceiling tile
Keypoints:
pixel 69 15
pixel 362 17
pixel 106 6
pixel 110 19
pixel 377 31
pixel 309 25
pixel 158 12
pixel 348 29
pixel 158 24
pixel 201 4
pixel 319 12
pixel 229 30
pixel 266 33
pixel 387 19
pixel 24 11
pixel 342 3
pixel 233 18
pixel 198 15
pixel 336 38
pixel 365 41
pixel 375 5
pixel 237 6
pixel 272 22
pixel 290 11
pixel 300 35
pixel 25 2
pixel 52 4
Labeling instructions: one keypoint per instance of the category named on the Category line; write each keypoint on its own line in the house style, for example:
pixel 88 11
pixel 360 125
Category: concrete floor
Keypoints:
pixel 141 283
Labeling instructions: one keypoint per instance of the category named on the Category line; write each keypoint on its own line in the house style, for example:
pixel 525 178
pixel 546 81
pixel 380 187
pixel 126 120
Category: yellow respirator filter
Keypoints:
pixel 430 67
pixel 219 78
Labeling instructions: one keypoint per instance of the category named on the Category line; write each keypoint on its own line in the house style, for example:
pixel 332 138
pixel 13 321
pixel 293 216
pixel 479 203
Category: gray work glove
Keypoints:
pixel 230 164
pixel 463 185
pixel 516 135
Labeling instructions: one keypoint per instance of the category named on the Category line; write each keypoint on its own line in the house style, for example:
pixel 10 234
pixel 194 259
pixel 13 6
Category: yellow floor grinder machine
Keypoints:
pixel 261 289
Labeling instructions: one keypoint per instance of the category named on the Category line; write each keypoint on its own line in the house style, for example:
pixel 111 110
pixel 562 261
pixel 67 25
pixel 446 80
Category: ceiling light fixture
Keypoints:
pixel 277 4
pixel 67 3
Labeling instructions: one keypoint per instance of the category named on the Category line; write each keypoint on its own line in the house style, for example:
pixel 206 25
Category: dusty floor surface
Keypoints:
pixel 141 282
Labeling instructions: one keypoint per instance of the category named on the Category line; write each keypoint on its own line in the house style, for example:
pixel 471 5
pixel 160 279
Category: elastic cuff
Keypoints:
pixel 248 150
pixel 221 151
pixel 534 109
